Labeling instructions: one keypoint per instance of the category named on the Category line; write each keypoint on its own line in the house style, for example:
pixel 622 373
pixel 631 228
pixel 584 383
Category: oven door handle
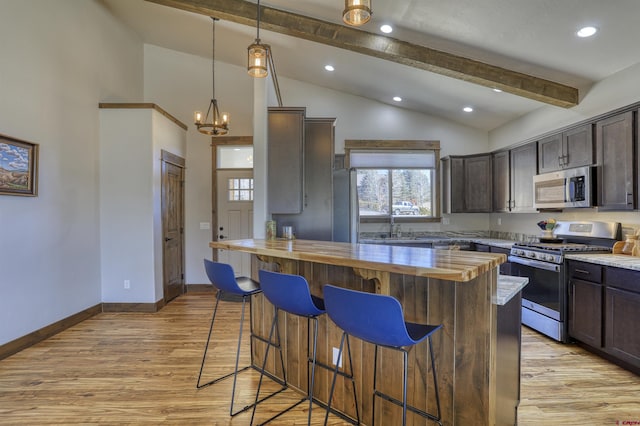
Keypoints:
pixel 535 263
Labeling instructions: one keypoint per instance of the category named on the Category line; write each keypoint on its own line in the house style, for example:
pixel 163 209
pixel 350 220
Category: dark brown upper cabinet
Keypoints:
pixel 571 148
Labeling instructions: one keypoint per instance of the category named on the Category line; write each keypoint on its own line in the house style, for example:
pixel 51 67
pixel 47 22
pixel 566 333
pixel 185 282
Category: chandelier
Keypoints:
pixel 356 12
pixel 218 124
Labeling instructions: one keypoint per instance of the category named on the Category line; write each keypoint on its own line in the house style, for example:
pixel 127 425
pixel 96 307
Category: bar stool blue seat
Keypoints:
pixel 379 319
pixel 223 278
pixel 291 294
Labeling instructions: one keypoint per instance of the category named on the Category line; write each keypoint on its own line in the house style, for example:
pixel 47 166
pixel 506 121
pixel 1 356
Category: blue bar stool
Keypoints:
pixel 379 319
pixel 222 277
pixel 290 293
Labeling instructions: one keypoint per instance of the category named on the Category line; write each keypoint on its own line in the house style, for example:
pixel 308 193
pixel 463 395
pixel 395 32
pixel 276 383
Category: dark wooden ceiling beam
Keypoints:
pixel 383 47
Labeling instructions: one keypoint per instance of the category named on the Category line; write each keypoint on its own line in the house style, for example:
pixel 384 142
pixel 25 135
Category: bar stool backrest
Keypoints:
pixel 223 278
pixel 375 318
pixel 290 293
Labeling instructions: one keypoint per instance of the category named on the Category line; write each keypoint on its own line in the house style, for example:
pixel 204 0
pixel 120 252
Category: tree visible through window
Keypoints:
pixel 395 179
pixel 397 192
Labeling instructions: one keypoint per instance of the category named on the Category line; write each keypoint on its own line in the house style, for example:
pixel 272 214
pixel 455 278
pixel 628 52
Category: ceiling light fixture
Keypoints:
pixel 356 12
pixel 219 124
pixel 260 56
pixel 257 59
pixel 386 29
pixel 467 109
pixel 329 68
pixel 587 31
pixel 397 98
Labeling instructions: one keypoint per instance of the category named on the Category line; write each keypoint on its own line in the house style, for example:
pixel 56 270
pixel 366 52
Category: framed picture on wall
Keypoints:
pixel 18 167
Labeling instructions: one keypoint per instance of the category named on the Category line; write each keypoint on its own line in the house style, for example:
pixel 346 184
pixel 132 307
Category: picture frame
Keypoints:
pixel 18 167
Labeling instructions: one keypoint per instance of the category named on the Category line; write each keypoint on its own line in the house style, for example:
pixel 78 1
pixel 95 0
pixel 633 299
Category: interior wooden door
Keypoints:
pixel 172 225
pixel 235 215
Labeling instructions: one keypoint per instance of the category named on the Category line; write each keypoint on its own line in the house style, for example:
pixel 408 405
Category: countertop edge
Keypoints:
pixel 608 259
pixel 508 286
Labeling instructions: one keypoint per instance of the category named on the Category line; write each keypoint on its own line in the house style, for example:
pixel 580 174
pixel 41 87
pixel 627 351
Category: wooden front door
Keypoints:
pixel 172 225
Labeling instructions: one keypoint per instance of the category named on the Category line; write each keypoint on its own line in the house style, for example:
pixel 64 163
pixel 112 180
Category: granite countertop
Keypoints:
pixel 508 287
pixel 617 260
pixel 451 265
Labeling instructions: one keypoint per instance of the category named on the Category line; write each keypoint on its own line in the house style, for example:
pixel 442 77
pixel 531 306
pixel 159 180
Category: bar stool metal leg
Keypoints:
pixel 336 373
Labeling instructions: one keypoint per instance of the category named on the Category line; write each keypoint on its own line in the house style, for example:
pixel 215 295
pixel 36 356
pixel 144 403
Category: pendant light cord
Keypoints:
pixel 213 58
pixel 258 24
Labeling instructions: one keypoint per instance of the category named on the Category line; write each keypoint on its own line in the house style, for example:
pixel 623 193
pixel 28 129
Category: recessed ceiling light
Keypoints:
pixel 497 90
pixel 386 28
pixel 587 31
pixel 329 68
pixel 397 98
pixel 467 109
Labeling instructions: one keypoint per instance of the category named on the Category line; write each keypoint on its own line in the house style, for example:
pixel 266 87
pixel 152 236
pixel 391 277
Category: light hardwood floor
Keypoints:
pixel 129 368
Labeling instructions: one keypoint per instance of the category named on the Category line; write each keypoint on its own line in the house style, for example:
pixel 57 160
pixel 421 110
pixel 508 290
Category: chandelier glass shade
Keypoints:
pixel 356 12
pixel 213 123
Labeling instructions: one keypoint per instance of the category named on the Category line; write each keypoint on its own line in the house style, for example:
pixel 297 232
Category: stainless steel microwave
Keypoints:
pixel 568 188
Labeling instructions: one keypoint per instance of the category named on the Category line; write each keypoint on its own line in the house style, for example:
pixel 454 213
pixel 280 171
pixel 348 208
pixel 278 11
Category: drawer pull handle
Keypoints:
pixel 582 271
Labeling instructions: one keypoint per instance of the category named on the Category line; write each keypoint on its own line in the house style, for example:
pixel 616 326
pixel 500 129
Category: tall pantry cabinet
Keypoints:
pixel 307 204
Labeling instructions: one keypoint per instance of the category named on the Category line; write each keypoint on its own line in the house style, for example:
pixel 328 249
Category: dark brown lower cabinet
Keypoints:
pixel 604 304
pixel 622 310
pixel 585 312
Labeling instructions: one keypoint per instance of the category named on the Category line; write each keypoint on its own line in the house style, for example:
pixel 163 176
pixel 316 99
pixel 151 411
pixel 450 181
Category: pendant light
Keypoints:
pixel 219 123
pixel 257 58
pixel 356 12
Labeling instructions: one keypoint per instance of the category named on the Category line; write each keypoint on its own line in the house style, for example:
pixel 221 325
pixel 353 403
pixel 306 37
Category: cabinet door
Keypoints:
pixel 578 147
pixel 501 181
pixel 622 328
pixel 523 168
pixel 585 312
pixel 550 153
pixel 285 159
pixel 478 184
pixel 453 185
pixel 614 149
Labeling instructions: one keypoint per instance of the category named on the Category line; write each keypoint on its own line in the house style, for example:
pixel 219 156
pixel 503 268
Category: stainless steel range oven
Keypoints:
pixel 544 299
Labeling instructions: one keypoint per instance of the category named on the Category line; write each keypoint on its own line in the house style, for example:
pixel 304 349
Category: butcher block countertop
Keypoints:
pixel 452 265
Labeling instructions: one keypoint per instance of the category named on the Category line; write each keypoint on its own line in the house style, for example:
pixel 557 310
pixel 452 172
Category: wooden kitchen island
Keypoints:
pixel 453 288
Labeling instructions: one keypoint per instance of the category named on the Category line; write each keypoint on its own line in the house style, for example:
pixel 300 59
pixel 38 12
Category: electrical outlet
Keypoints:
pixel 336 354
pixel 445 220
pixel 499 221
pixel 127 284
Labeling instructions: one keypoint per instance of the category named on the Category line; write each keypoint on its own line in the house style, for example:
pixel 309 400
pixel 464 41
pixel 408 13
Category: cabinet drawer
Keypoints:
pixel 625 279
pixel 586 271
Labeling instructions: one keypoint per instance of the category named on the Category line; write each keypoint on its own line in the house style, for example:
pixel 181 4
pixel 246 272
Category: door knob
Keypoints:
pixel 167 239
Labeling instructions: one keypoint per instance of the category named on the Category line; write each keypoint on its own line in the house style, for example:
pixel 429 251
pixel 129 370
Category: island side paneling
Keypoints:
pixel 464 348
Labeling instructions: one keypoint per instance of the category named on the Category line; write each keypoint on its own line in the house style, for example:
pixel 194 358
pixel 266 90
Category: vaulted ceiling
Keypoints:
pixel 441 56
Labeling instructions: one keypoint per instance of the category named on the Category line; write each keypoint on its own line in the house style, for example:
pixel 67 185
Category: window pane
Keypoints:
pixel 235 157
pixel 412 192
pixel 240 189
pixel 373 192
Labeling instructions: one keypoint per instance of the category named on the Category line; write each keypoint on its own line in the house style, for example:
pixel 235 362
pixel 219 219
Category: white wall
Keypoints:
pixel 131 141
pixel 59 60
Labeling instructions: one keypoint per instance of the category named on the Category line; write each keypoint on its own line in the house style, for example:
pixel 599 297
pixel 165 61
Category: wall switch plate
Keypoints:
pixel 499 221
pixel 445 220
pixel 336 353
pixel 127 284
pixel 205 225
